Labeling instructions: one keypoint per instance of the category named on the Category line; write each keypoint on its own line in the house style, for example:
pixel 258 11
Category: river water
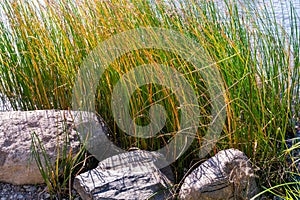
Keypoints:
pixel 282 10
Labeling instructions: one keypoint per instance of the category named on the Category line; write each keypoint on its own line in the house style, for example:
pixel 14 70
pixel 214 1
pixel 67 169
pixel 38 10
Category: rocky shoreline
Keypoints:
pixel 128 175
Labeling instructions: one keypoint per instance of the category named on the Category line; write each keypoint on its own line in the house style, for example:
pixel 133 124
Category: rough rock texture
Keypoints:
pixel 227 175
pixel 131 175
pixel 17 165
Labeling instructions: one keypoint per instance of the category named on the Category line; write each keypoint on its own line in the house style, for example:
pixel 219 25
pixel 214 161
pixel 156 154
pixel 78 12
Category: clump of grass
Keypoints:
pixel 59 174
pixel 289 188
pixel 42 46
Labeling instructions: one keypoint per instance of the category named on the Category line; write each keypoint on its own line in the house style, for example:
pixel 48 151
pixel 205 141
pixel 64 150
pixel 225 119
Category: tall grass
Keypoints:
pixel 42 46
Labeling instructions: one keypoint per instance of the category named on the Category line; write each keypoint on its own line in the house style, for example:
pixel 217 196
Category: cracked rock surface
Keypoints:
pixel 227 175
pixel 132 175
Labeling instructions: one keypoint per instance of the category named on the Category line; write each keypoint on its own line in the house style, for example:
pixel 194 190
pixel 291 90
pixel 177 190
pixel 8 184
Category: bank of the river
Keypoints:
pixel 258 61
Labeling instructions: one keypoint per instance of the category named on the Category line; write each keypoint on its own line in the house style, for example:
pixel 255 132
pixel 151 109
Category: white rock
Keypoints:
pixel 131 175
pixel 17 165
pixel 227 175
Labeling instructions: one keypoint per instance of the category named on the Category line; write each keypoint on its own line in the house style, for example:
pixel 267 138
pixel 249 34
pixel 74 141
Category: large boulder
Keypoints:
pixel 227 175
pixel 131 175
pixel 17 165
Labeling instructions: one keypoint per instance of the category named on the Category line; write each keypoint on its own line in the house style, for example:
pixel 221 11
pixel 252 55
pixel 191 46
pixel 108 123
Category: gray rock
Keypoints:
pixel 17 165
pixel 131 175
pixel 227 175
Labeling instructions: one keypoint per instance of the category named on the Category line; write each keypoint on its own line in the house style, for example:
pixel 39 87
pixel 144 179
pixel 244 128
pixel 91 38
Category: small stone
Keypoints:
pixel 29 188
pixel 47 196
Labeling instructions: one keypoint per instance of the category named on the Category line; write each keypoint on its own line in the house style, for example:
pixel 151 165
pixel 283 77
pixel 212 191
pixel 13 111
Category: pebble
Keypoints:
pixel 27 192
